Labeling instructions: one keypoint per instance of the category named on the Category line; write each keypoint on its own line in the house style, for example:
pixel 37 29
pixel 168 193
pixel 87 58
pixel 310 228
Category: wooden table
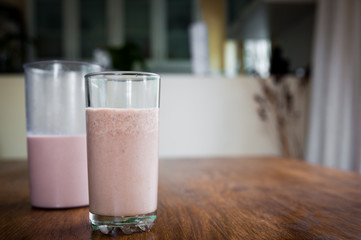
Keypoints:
pixel 223 198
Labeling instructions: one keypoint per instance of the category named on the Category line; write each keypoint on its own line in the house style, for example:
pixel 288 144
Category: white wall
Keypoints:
pixel 200 116
pixel 12 117
pixel 211 116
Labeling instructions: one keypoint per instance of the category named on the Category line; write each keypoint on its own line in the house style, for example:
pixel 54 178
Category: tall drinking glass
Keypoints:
pixel 122 119
pixel 55 116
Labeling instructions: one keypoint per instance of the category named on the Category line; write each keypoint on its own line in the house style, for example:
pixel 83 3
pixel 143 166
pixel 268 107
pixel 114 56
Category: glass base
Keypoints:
pixel 127 224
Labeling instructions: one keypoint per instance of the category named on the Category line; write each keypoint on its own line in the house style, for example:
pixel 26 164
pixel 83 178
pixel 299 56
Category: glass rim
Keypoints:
pixel 122 73
pixel 35 63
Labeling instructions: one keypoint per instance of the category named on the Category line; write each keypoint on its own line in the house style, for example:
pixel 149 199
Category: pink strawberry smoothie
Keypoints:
pixel 122 160
pixel 58 171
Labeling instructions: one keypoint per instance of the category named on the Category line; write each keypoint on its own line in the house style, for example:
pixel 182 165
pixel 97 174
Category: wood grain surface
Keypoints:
pixel 223 198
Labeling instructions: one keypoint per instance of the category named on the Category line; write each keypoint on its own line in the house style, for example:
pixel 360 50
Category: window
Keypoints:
pixel 256 56
pixel 49 29
pixel 179 20
pixel 159 27
pixel 92 22
pixel 137 24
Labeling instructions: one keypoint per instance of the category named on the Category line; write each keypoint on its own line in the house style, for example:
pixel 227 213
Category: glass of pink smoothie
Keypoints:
pixel 56 134
pixel 122 121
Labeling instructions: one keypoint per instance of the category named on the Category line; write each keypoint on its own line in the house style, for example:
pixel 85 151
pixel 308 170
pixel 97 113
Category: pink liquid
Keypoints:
pixel 58 171
pixel 122 161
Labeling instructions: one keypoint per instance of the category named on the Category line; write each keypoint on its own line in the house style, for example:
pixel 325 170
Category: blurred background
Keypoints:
pixel 158 33
pixel 239 77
